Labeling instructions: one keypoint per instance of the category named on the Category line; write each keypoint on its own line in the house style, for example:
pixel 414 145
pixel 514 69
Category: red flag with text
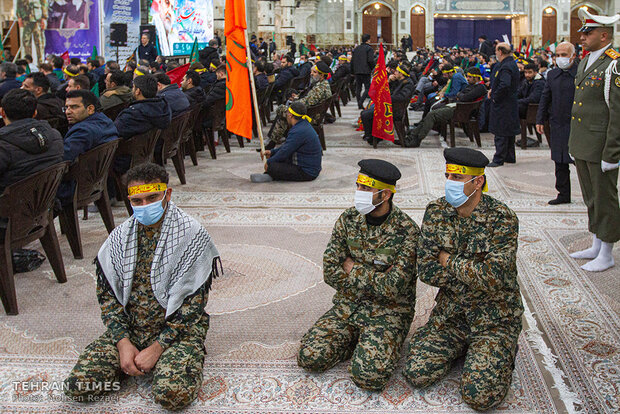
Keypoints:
pixel 379 92
pixel 65 58
pixel 238 94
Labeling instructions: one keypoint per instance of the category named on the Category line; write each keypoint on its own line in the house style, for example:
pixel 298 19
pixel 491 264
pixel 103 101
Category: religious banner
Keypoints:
pixel 180 22
pixel 121 11
pixel 379 92
pixel 238 98
pixel 72 26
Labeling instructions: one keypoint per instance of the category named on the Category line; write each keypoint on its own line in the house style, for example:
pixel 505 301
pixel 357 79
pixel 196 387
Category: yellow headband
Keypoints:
pixel 462 169
pixel 306 117
pixel 199 70
pixel 448 71
pixel 371 182
pixel 342 57
pixel 66 72
pixel 146 188
pixel 402 71
pixel 211 65
pixel 473 75
pixel 137 72
pixel 319 70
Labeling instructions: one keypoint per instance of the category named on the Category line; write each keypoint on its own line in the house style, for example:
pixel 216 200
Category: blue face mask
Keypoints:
pixel 148 214
pixel 455 194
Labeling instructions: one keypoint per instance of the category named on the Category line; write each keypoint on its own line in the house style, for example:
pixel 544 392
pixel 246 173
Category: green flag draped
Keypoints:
pixel 193 57
pixel 94 54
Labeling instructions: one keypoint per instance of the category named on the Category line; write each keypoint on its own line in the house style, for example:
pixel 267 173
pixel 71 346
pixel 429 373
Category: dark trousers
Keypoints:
pixel 367 116
pixel 504 150
pixel 359 81
pixel 562 180
pixel 283 171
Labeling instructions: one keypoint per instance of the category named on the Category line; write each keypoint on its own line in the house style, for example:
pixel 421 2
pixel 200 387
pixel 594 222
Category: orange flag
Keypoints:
pixel 379 92
pixel 238 94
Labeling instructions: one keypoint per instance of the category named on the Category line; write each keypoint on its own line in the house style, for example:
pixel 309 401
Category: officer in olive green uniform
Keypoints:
pixel 319 91
pixel 468 248
pixel 594 139
pixel 370 261
pixel 32 17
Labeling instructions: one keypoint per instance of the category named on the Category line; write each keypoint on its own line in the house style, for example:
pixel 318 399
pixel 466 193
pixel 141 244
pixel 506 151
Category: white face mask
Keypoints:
pixel 363 201
pixel 563 62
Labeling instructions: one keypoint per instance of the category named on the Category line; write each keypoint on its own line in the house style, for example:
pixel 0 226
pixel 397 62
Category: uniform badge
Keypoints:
pixel 617 82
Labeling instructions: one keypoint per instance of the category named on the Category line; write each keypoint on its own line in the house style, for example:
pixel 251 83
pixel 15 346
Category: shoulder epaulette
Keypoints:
pixel 612 54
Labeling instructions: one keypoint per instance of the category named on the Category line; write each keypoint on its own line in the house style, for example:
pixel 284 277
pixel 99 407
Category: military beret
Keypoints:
pixel 380 170
pixel 467 157
pixel 322 67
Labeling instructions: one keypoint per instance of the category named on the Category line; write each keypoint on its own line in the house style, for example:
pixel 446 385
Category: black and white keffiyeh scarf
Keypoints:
pixel 185 259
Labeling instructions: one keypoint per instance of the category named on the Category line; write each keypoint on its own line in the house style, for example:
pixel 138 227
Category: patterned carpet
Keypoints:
pixel 271 238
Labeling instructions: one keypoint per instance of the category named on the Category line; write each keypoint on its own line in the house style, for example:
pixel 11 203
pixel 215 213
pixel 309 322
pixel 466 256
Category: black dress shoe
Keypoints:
pixel 558 200
pixel 494 164
pixel 270 145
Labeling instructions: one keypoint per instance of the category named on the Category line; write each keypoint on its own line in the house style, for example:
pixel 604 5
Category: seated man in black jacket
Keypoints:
pixel 148 111
pixel 287 72
pixel 191 88
pixel 474 91
pixel 260 79
pixel 48 105
pixel 531 88
pixel 401 90
pixel 170 91
pixel 27 145
pixel 217 91
pixel 343 69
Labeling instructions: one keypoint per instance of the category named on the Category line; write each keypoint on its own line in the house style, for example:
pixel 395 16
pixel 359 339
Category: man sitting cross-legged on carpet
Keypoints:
pixel 153 276
pixel 299 158
pixel 318 91
pixel 371 262
pixel 468 248
pixel 474 91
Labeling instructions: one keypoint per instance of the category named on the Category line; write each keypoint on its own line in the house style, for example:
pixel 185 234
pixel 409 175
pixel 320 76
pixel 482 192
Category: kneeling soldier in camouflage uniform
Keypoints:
pixel 153 276
pixel 468 248
pixel 370 261
pixel 318 92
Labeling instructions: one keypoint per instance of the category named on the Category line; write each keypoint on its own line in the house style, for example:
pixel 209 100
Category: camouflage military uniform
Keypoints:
pixel 319 92
pixel 32 13
pixel 374 303
pixel 177 376
pixel 478 310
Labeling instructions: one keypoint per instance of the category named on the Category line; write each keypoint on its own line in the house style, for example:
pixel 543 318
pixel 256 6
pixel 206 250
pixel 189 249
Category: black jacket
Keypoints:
pixel 208 54
pixel 556 105
pixel 472 93
pixel 217 92
pixel 363 60
pixel 486 48
pixel 21 152
pixel 261 81
pixel 147 52
pixel 176 98
pixel 142 116
pixel 305 69
pixel 49 106
pixel 530 92
pixel 284 76
pixel 195 95
pixel 7 85
pixel 401 90
pixel 207 79
pixel 54 82
pixel 342 71
pixel 504 114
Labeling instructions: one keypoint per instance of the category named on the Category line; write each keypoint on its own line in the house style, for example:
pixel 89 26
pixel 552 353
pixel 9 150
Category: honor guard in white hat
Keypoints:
pixel 594 140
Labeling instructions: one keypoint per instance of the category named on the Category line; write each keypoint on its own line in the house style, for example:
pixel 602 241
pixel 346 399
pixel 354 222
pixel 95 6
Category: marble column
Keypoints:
pixel 430 23
pixel 349 22
pixel 265 19
pixel 563 8
pixel 535 23
pixel 218 17
pixel 286 23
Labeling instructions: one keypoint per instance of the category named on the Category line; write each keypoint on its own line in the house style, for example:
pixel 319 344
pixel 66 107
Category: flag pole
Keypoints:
pixel 259 128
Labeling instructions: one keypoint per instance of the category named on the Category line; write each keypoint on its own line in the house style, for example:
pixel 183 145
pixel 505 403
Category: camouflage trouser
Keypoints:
pixel 280 126
pixel 33 30
pixel 489 359
pixel 373 343
pixel 177 376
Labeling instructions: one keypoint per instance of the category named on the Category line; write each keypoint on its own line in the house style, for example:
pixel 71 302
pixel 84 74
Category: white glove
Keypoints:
pixel 608 166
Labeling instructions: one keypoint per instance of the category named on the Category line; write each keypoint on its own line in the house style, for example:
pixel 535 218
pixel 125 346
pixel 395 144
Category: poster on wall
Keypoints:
pixel 179 22
pixel 121 11
pixel 72 25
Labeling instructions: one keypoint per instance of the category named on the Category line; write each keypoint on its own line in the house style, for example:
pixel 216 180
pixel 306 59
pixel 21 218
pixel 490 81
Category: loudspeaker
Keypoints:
pixel 150 29
pixel 118 34
pixel 289 40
